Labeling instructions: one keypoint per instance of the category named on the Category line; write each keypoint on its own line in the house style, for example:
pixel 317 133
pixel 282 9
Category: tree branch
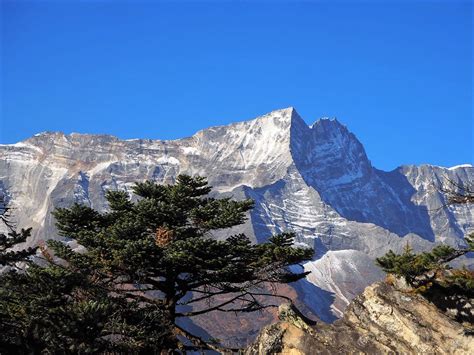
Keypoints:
pixel 201 344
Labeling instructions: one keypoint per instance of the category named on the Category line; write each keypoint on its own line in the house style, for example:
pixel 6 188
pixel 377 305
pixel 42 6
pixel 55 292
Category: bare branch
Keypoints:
pixel 454 193
pixel 457 193
pixel 200 344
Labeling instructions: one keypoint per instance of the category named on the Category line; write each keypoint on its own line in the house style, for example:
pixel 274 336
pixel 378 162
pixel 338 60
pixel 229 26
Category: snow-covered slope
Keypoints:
pixel 315 180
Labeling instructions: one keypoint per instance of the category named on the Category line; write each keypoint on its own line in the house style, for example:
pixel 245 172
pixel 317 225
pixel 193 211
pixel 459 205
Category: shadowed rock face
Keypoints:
pixel 314 180
pixel 381 320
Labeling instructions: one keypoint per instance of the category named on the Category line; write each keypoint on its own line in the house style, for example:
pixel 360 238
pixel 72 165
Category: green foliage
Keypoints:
pixel 470 241
pixel 463 279
pixel 58 310
pixel 12 238
pixel 429 274
pixel 9 240
pixel 143 261
pixel 415 267
pixel 36 311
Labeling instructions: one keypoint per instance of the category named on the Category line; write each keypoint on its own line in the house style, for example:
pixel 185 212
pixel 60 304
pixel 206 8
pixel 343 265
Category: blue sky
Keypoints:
pixel 398 74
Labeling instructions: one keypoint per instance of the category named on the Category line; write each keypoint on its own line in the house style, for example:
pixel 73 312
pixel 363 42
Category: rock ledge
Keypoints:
pixel 381 320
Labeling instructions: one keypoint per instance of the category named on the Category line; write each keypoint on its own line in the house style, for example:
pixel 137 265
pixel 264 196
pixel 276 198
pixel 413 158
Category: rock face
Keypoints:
pixel 314 180
pixel 381 320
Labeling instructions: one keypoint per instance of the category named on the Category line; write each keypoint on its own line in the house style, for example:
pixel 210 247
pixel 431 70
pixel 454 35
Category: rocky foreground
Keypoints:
pixel 384 319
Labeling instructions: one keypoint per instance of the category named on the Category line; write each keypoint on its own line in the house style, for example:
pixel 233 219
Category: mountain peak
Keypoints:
pixel 329 155
pixel 283 118
pixel 289 109
pixel 328 123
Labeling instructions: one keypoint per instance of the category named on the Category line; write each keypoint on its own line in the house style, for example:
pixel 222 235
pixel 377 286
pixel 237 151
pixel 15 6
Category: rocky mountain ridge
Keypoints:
pixel 314 180
pixel 382 320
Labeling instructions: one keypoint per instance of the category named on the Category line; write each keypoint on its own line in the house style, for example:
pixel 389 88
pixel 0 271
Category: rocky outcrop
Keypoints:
pixel 383 319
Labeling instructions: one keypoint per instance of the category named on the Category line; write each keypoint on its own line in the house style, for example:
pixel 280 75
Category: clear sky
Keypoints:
pixel 398 74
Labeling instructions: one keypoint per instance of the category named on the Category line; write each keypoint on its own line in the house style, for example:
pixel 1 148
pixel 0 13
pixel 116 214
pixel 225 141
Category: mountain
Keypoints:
pixel 315 180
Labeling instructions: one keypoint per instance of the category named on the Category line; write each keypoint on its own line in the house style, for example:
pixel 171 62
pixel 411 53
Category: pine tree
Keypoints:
pixel 159 252
pixel 415 267
pixel 11 238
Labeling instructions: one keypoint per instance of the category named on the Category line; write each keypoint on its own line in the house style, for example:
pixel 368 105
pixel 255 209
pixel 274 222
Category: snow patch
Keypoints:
pixel 300 245
pixel 460 166
pixel 168 160
pixel 190 150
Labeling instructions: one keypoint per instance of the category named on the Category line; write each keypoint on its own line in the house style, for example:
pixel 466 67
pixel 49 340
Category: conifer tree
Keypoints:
pixel 414 267
pixel 159 251
pixel 10 238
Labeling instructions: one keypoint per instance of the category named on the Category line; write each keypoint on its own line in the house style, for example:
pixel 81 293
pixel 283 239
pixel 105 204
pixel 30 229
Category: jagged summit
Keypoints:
pixel 329 124
pixel 280 119
pixel 72 135
pixel 326 120
pixel 278 124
